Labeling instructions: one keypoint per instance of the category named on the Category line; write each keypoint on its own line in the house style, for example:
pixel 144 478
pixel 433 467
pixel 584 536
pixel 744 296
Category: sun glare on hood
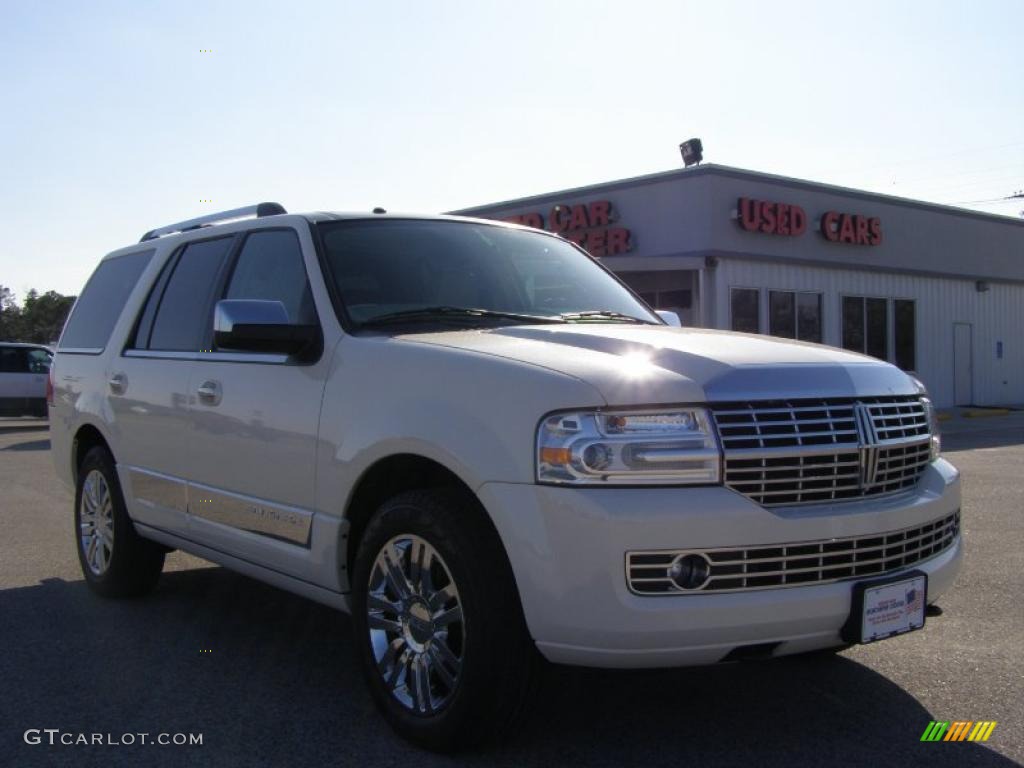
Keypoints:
pixel 636 365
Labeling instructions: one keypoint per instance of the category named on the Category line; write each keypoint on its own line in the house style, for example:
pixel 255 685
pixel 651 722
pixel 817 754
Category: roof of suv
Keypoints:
pixel 25 345
pixel 240 219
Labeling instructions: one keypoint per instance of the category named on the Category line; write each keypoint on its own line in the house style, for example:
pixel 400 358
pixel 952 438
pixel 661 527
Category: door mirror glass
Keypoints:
pixel 259 325
pixel 671 318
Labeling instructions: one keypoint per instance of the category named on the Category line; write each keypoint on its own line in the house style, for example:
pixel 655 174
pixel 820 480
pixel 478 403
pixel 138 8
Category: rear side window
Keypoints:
pixel 270 267
pixel 39 361
pixel 183 318
pixel 101 302
pixel 13 360
pixel 140 339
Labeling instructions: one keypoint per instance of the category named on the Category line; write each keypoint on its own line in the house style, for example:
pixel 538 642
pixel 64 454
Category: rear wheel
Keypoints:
pixel 440 632
pixel 115 560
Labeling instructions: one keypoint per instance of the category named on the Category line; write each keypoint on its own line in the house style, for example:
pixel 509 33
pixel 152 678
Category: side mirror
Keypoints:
pixel 670 318
pixel 256 325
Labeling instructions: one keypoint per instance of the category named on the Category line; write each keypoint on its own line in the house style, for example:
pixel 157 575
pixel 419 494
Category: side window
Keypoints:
pixel 184 315
pixel 101 302
pixel 270 267
pixel 13 360
pixel 144 326
pixel 39 361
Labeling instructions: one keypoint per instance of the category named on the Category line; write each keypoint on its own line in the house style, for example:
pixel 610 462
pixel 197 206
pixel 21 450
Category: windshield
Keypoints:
pixel 401 265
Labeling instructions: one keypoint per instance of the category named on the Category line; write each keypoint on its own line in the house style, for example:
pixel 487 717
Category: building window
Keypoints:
pixel 905 333
pixel 808 317
pixel 673 300
pixel 782 314
pixel 746 310
pixel 866 326
pixel 794 315
pixel 675 291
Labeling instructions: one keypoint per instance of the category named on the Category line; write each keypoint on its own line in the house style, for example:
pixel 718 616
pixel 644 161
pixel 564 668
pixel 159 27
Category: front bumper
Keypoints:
pixel 567 547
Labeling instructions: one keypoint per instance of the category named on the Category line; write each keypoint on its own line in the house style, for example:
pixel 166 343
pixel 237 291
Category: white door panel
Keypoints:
pixel 149 403
pixel 254 421
pixel 252 455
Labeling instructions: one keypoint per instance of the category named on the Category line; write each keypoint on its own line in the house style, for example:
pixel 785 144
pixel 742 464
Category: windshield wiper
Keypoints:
pixel 433 313
pixel 603 314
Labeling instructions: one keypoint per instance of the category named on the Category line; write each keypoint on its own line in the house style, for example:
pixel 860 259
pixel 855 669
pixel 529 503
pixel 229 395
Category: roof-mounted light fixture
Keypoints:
pixel 692 152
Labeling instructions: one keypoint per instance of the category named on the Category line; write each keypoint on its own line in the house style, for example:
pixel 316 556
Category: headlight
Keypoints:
pixel 932 416
pixel 628 447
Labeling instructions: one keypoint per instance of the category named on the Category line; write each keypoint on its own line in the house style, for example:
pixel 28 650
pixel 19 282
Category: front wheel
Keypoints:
pixel 440 631
pixel 115 560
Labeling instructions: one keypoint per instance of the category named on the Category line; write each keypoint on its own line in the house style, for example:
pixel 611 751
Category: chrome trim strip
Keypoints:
pixel 217 357
pixel 157 490
pixel 868 445
pixel 80 350
pixel 246 513
pixel 278 578
pixel 931 539
pixel 785 451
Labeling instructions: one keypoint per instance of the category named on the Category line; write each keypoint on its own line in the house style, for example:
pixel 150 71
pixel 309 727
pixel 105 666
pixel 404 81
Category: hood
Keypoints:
pixel 647 364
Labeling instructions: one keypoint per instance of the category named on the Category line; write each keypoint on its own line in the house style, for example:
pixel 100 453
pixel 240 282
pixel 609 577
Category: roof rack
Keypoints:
pixel 260 210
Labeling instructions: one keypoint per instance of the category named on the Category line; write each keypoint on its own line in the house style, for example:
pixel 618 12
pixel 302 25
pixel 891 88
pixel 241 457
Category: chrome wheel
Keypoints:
pixel 96 523
pixel 417 631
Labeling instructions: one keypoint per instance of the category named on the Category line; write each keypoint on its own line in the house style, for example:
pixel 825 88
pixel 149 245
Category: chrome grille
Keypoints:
pixel 817 451
pixel 789 565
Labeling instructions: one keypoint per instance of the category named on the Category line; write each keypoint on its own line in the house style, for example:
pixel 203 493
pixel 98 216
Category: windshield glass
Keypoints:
pixel 397 265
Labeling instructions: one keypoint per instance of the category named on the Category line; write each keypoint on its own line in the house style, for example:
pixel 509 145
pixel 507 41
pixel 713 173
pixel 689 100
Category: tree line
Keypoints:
pixel 39 318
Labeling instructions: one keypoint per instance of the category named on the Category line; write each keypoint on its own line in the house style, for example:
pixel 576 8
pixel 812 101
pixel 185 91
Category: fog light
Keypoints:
pixel 690 571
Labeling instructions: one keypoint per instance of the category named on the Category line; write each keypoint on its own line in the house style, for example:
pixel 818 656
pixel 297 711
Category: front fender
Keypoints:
pixel 472 413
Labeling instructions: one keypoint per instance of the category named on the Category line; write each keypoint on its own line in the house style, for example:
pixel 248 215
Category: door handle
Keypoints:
pixel 118 383
pixel 209 392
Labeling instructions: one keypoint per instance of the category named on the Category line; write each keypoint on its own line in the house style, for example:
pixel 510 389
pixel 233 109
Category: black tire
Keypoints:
pixel 500 664
pixel 134 564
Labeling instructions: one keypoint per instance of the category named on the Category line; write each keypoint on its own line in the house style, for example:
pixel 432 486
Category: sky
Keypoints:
pixel 118 117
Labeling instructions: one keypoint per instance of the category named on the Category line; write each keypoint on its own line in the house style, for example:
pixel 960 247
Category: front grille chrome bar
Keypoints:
pixel 782 453
pixel 775 566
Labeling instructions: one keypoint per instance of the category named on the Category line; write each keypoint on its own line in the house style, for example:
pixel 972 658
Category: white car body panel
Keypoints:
pixel 22 391
pixel 22 385
pixel 283 451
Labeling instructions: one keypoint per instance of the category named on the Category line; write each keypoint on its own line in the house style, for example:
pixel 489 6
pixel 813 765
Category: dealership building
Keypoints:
pixel 934 289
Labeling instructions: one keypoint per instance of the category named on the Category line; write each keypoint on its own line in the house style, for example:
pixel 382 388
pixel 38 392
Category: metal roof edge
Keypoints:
pixel 728 171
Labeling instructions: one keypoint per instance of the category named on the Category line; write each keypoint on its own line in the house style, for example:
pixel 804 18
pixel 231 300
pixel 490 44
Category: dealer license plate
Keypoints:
pixel 887 608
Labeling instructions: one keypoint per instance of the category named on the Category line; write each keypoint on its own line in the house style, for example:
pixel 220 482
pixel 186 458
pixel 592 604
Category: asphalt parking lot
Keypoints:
pixel 268 679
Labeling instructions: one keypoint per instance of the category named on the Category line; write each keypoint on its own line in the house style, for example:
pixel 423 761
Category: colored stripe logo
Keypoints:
pixel 958 730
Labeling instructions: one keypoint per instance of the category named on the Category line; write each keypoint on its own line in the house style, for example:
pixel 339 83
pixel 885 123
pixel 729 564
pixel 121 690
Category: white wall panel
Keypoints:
pixel 996 315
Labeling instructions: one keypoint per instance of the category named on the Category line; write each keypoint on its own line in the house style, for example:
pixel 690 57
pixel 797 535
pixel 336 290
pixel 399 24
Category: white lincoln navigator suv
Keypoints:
pixel 476 440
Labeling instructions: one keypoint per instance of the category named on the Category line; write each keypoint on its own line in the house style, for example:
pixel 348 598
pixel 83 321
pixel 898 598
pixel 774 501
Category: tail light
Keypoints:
pixel 49 386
